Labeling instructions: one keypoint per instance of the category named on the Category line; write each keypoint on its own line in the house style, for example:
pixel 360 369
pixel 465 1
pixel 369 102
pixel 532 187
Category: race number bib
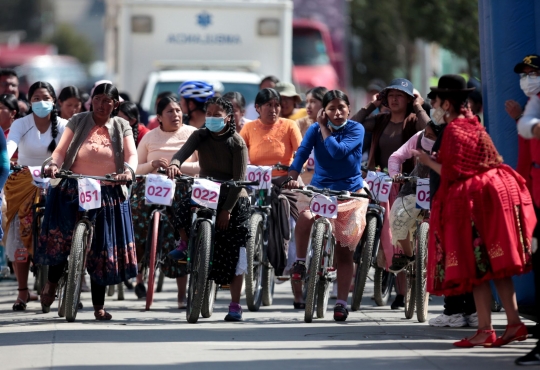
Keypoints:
pixel 324 206
pixel 159 189
pixel 310 164
pixel 205 193
pixel 89 194
pixel 36 176
pixel 379 184
pixel 423 198
pixel 262 174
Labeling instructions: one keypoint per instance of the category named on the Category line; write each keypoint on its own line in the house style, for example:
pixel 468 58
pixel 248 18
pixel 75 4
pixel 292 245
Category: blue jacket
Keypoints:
pixel 337 159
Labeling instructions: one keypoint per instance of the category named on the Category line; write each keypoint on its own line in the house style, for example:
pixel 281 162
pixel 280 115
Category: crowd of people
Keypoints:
pixel 483 217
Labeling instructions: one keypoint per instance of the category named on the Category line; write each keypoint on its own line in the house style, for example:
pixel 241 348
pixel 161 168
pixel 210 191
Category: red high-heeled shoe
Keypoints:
pixel 466 342
pixel 519 335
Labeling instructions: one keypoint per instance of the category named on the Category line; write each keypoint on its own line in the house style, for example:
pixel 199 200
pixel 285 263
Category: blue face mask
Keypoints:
pixel 215 124
pixel 337 127
pixel 42 108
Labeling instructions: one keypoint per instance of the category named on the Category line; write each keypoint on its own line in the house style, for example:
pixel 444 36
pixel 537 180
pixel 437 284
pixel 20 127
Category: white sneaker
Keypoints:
pixel 472 319
pixel 454 321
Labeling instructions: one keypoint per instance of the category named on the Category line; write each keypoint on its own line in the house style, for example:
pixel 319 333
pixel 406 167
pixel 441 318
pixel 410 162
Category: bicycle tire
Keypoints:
pixel 152 260
pixel 210 292
pixel 268 285
pixel 364 265
pixel 110 290
pixel 317 243
pixel 62 300
pixel 383 282
pixel 161 280
pixel 199 272
pixel 255 257
pixel 422 296
pixel 75 270
pixel 43 276
pixel 323 294
pixel 120 291
pixel 410 294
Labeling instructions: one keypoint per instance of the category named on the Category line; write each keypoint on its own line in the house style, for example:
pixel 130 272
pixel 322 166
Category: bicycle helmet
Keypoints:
pixel 197 90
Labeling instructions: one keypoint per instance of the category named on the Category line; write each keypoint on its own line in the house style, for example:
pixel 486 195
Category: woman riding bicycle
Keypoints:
pixel 35 136
pixel 482 217
pixel 337 142
pixel 222 156
pixel 389 132
pixel 94 144
pixel 156 150
pixel 270 140
pixel 404 213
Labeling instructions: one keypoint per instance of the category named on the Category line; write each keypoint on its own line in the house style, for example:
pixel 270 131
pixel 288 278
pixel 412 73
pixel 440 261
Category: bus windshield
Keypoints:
pixel 309 48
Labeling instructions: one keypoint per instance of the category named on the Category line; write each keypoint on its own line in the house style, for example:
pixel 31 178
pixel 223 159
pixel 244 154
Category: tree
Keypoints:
pixel 388 30
pixel 70 42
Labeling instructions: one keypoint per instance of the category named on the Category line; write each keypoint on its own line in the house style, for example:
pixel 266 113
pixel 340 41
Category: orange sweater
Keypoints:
pixel 270 144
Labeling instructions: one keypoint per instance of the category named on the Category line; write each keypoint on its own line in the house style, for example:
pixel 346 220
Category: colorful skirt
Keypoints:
pixel 142 224
pixel 227 243
pixel 111 258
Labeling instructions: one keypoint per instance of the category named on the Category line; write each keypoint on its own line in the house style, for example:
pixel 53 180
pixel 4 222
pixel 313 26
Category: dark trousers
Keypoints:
pixel 459 304
pixel 98 291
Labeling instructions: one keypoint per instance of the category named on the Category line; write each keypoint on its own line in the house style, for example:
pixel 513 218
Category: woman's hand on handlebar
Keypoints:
pixel 162 162
pixel 123 178
pixel 293 184
pixel 398 177
pixel 173 171
pixel 51 171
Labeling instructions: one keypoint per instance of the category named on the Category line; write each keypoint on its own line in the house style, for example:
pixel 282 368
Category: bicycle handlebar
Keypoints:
pixel 341 194
pixel 63 174
pixel 191 179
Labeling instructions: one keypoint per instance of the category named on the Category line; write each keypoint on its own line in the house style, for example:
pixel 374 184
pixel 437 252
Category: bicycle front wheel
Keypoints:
pixel 364 264
pixel 75 270
pixel 317 243
pixel 410 295
pixel 200 261
pixel 152 260
pixel 422 296
pixel 383 282
pixel 62 299
pixel 254 274
pixel 210 292
pixel 160 281
pixel 268 285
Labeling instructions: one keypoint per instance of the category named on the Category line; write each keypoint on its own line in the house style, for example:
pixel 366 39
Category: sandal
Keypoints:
pixel 102 315
pixel 468 343
pixel 19 304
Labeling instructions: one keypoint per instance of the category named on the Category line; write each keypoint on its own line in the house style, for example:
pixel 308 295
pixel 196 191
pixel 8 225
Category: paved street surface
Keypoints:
pixel 273 338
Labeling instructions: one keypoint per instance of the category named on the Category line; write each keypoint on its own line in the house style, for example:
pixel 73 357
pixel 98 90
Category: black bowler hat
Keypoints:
pixel 451 84
pixel 532 61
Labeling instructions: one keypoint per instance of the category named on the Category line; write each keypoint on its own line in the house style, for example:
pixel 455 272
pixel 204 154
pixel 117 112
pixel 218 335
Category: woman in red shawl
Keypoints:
pixel 482 217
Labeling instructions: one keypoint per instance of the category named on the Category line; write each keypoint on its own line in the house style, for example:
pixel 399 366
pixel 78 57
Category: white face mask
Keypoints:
pixel 427 144
pixel 437 116
pixel 529 85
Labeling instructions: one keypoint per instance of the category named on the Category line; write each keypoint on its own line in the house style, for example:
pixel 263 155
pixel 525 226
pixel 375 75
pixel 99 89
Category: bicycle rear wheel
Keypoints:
pixel 200 261
pixel 75 270
pixel 62 299
pixel 323 294
pixel 362 270
pixel 410 295
pixel 383 282
pixel 255 267
pixel 160 281
pixel 210 292
pixel 422 296
pixel 152 260
pixel 317 243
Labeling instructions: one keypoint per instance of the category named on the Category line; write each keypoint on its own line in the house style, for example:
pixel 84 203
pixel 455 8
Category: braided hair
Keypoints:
pixel 226 105
pixel 54 114
pixel 131 111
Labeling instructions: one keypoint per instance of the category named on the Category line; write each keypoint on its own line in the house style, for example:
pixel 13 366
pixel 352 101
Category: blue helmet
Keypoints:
pixel 196 90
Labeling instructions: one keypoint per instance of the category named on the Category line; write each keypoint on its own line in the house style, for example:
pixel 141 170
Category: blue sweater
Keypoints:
pixel 337 159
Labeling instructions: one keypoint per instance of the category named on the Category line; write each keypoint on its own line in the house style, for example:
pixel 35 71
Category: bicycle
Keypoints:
pixel 40 272
pixel 365 255
pixel 205 195
pixel 260 273
pixel 69 286
pixel 417 297
pixel 321 272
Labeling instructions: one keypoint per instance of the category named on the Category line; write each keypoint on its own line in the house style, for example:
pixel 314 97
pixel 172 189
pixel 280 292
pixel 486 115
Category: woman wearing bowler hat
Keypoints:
pixel 482 217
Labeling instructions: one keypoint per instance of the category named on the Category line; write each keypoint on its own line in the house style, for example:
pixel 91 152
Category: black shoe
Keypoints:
pixel 140 290
pixel 299 306
pixel 530 359
pixel 298 271
pixel 400 262
pixel 340 312
pixel 398 303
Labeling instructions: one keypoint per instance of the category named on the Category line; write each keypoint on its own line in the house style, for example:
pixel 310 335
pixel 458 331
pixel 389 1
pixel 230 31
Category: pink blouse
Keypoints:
pixel 402 154
pixel 96 155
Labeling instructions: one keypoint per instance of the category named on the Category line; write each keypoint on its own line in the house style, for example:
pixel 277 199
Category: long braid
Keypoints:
pixel 135 129
pixel 54 130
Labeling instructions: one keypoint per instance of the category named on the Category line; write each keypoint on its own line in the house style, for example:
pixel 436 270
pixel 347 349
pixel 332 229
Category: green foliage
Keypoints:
pixel 70 42
pixel 388 30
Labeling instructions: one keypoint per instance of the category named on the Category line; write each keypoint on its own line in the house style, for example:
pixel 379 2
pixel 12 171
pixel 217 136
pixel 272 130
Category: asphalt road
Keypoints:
pixel 276 337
